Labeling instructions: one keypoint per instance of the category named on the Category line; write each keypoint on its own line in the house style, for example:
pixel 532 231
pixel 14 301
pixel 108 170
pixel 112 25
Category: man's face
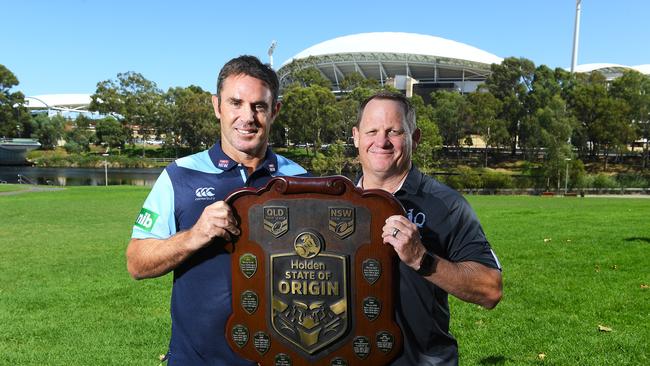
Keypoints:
pixel 383 142
pixel 246 112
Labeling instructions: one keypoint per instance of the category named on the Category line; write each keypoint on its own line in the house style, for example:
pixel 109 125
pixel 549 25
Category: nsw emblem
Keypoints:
pixel 341 221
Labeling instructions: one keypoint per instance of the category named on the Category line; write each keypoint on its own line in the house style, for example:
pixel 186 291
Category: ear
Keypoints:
pixel 415 137
pixel 215 105
pixel 276 110
pixel 355 136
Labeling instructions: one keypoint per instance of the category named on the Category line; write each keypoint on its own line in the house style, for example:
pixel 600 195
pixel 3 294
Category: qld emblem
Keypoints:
pixel 276 220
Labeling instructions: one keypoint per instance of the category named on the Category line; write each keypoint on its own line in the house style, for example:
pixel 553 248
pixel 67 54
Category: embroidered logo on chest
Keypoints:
pixel 204 193
pixel 416 217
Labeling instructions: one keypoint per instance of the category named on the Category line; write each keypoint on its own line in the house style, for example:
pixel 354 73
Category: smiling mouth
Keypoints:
pixel 381 152
pixel 246 131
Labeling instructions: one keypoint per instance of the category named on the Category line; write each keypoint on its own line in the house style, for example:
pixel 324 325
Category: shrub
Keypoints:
pixel 632 180
pixel 465 178
pixel 496 180
pixel 604 181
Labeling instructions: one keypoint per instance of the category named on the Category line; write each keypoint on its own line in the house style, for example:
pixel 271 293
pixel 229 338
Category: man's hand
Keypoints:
pixel 403 235
pixel 217 220
pixel 148 258
pixel 469 281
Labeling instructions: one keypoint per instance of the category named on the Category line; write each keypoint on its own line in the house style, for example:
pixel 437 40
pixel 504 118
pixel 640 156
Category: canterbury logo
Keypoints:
pixel 204 192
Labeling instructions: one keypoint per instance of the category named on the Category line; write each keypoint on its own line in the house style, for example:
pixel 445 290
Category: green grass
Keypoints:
pixel 12 187
pixel 570 265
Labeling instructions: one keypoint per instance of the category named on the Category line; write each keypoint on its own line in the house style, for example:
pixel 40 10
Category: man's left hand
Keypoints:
pixel 403 235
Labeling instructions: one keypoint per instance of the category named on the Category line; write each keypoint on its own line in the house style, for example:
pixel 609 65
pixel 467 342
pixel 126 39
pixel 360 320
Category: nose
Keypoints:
pixel 248 114
pixel 382 140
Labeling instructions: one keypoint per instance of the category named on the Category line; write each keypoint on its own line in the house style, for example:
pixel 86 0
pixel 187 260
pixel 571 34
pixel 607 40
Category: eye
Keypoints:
pixel 371 132
pixel 261 107
pixel 393 133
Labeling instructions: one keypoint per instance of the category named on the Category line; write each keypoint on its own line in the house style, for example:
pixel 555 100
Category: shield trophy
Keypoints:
pixel 312 281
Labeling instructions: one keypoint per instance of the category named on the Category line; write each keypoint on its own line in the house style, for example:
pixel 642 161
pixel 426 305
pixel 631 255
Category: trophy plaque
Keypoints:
pixel 312 281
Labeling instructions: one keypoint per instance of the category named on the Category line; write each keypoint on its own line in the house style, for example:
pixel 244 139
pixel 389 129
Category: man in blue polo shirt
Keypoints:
pixel 440 242
pixel 184 222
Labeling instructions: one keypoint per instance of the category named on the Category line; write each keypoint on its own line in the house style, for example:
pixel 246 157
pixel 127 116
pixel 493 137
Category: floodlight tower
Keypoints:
pixel 576 34
pixel 271 49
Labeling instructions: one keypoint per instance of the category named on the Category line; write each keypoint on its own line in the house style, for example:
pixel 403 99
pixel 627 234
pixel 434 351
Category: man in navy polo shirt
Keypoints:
pixel 440 242
pixel 184 222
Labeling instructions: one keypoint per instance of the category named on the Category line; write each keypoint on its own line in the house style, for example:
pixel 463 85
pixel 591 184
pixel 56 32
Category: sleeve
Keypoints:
pixel 466 240
pixel 156 218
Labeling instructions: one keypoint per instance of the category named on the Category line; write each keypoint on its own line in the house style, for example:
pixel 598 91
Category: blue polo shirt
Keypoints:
pixel 201 293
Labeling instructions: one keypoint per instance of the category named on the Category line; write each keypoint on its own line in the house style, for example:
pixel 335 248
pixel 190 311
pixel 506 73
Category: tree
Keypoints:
pixel 603 120
pixel 311 115
pixel 451 115
pixel 47 130
pixel 310 76
pixel 355 80
pixel 510 82
pixel 633 89
pixel 79 138
pixel 190 118
pixel 111 132
pixel 484 109
pixel 133 97
pixel 13 114
pixel 430 139
pixel 554 130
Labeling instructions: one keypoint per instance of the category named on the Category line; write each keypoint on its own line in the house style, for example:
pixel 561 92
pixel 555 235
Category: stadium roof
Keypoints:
pixel 398 42
pixel 612 71
pixel 384 55
pixel 72 102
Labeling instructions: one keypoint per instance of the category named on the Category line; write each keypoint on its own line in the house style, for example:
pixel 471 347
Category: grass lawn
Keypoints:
pixel 570 266
pixel 12 187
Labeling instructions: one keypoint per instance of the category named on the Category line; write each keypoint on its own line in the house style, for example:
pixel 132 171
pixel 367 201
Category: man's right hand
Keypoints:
pixel 151 257
pixel 217 220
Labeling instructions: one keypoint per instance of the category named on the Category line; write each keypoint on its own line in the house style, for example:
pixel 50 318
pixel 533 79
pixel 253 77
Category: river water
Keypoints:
pixel 78 176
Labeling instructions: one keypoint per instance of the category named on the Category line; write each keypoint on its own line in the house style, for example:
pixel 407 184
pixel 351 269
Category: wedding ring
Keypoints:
pixel 395 231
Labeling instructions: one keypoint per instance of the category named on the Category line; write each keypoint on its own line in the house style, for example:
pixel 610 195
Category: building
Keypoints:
pixel 611 71
pixel 414 63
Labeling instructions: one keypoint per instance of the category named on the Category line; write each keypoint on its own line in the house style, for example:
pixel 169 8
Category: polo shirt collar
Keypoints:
pixel 412 183
pixel 224 162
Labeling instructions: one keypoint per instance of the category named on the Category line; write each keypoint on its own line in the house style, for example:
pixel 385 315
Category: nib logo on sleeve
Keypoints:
pixel 146 219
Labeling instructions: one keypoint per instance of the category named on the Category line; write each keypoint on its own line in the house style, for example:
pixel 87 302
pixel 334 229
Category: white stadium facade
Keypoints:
pixel 411 62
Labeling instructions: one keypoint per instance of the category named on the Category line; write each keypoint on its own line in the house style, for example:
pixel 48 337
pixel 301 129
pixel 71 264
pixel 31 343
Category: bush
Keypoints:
pixel 602 181
pixel 465 178
pixel 496 180
pixel 632 180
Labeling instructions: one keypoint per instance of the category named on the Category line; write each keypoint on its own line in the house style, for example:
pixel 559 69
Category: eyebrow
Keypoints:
pixel 259 102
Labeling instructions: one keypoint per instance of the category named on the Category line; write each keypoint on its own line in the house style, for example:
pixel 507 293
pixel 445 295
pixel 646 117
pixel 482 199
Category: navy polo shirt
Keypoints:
pixel 201 293
pixel 450 229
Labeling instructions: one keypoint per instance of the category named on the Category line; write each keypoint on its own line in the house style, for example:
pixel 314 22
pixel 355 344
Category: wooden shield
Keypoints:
pixel 312 281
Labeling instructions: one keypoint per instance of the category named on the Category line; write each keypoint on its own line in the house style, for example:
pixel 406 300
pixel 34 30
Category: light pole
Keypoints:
pixel 566 175
pixel 105 155
pixel 576 36
pixel 270 52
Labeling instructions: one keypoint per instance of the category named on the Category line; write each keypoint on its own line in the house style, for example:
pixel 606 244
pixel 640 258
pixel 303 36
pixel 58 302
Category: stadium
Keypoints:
pixel 414 63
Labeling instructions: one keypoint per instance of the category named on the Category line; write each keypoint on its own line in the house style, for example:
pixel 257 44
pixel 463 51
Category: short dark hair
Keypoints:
pixel 409 112
pixel 251 66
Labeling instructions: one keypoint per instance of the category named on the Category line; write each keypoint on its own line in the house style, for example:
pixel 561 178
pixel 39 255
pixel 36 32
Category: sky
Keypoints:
pixel 68 46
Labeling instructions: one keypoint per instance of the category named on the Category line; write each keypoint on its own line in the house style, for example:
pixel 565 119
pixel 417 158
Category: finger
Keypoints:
pixel 397 222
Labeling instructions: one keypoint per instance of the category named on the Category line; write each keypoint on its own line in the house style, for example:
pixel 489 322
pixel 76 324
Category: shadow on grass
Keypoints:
pixel 647 240
pixel 493 360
